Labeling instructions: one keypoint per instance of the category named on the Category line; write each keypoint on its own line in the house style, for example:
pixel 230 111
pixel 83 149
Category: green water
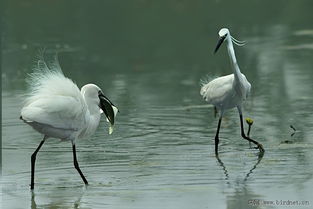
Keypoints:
pixel 149 58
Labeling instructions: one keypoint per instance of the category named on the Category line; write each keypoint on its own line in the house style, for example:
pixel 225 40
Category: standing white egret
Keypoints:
pixel 57 108
pixel 228 91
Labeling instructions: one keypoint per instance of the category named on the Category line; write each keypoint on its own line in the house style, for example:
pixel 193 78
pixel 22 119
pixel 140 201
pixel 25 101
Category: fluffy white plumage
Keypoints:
pixel 57 108
pixel 225 93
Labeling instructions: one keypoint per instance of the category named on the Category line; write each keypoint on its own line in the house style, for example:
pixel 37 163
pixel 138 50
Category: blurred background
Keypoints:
pixel 149 58
pixel 141 35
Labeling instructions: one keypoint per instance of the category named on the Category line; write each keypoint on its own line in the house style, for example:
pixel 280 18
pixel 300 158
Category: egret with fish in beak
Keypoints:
pixel 57 108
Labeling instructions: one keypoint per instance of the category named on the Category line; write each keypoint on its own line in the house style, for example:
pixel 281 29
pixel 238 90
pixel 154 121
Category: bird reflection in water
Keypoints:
pixel 74 203
pixel 33 201
pixel 225 171
pixel 260 157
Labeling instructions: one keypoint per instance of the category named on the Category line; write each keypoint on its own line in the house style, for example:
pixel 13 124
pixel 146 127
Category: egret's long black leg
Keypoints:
pixel 259 146
pixel 33 159
pixel 77 166
pixel 217 140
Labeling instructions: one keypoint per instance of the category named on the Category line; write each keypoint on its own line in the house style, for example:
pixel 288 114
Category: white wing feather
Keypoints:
pixel 215 91
pixel 225 91
pixel 53 99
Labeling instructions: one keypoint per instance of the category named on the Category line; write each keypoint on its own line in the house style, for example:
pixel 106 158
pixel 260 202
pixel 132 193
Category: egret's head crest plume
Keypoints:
pixel 237 42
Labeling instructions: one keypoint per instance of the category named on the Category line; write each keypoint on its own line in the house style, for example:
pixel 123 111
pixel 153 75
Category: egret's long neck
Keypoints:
pixel 92 106
pixel 91 101
pixel 92 117
pixel 232 56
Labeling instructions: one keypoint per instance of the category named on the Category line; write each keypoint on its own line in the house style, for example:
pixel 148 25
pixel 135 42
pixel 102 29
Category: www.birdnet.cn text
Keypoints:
pixel 259 202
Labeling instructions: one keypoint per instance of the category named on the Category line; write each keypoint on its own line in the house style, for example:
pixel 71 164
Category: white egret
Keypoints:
pixel 228 91
pixel 57 108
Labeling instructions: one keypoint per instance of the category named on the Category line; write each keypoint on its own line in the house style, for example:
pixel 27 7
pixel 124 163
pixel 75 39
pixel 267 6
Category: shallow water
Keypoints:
pixel 161 154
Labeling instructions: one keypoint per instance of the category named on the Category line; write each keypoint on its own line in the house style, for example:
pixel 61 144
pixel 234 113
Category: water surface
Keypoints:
pixel 161 154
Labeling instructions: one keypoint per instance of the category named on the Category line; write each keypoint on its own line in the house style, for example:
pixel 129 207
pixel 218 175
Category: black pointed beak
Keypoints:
pixel 107 106
pixel 219 43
